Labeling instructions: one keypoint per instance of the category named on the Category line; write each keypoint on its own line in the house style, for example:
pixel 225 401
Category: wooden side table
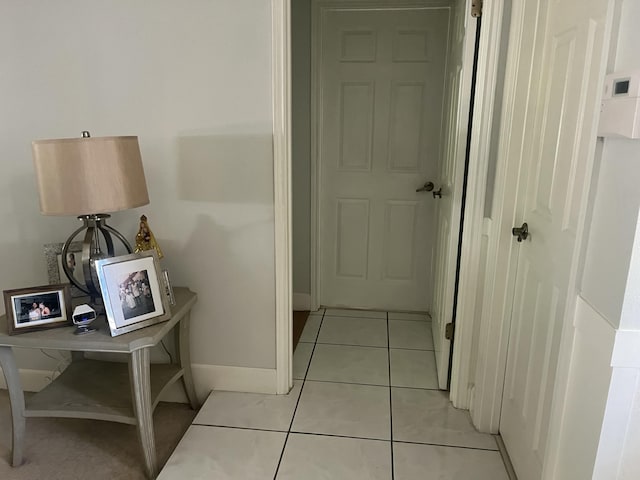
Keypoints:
pixel 111 391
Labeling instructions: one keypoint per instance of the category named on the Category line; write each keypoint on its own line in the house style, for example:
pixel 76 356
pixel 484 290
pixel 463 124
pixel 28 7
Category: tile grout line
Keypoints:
pixel 339 382
pixel 239 428
pixel 378 318
pixel 335 435
pixel 445 445
pixel 352 345
pixel 374 346
pixel 286 439
pixel 430 444
pixel 318 434
pixel 393 467
pixel 372 385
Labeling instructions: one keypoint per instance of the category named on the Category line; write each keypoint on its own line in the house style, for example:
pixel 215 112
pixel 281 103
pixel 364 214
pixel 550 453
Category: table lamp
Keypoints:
pixel 90 177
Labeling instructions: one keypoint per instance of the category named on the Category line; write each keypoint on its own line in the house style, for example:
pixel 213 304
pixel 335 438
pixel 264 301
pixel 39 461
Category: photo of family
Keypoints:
pixel 35 309
pixel 135 295
pixel 131 291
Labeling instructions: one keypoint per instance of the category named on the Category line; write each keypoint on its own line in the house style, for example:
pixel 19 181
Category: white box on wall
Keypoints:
pixel 620 107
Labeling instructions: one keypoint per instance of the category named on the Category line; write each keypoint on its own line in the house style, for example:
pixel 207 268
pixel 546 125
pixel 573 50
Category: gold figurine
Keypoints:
pixel 145 239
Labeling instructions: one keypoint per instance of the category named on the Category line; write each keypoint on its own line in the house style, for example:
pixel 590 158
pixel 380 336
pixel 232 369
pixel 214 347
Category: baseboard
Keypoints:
pixel 205 377
pixel 233 379
pixel 301 301
pixel 224 378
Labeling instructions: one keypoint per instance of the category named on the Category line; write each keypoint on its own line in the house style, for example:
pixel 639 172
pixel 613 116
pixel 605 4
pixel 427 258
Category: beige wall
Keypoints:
pixel 193 81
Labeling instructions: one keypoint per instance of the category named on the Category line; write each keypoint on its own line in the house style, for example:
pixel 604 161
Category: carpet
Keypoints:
pixel 70 449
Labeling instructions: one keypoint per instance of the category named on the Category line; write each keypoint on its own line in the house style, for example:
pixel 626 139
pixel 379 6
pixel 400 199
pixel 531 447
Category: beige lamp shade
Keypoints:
pixel 89 175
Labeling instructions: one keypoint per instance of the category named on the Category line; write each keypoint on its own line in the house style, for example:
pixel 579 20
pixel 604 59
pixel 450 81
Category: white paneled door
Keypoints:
pixel 556 102
pixel 451 176
pixel 380 99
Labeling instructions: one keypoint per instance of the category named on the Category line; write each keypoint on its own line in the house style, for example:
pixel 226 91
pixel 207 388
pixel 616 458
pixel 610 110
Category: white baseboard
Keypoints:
pixel 301 301
pixel 233 379
pixel 205 377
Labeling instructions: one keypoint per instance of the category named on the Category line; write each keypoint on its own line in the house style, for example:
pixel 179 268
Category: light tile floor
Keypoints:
pixel 365 405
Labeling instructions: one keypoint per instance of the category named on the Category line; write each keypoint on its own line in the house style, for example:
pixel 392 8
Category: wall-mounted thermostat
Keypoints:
pixel 620 108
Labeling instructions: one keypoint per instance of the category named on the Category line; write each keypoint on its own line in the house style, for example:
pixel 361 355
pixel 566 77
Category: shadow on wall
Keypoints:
pixel 226 168
pixel 215 223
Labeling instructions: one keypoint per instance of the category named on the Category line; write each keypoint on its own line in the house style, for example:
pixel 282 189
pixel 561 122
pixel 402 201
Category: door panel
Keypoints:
pixel 399 247
pixel 555 144
pixel 381 77
pixel 405 127
pixel 356 126
pixel 352 238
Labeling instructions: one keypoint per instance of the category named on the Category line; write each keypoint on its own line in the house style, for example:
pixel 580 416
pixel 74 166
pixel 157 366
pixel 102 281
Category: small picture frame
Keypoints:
pixel 132 291
pixel 53 255
pixel 37 308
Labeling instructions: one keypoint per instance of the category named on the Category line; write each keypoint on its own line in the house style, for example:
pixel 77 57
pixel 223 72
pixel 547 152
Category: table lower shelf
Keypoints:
pixel 98 390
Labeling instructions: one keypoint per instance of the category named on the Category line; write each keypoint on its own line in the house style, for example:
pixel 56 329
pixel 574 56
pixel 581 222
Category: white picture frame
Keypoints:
pixel 132 291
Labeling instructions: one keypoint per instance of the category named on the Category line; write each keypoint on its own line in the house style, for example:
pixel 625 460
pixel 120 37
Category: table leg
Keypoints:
pixel 184 358
pixel 16 400
pixel 139 371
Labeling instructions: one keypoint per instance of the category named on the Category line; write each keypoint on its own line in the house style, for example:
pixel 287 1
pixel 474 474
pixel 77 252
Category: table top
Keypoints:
pixel 63 338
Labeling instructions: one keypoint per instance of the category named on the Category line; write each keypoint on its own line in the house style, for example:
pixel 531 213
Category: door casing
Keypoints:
pixel 480 391
pixel 474 226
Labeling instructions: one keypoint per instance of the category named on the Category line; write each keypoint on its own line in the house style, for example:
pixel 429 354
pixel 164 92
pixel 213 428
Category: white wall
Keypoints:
pixel 193 81
pixel 587 392
pixel 601 423
pixel 618 196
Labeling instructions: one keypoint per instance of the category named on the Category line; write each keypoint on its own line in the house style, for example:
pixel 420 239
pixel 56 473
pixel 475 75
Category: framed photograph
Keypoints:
pixel 132 291
pixel 53 254
pixel 168 287
pixel 37 308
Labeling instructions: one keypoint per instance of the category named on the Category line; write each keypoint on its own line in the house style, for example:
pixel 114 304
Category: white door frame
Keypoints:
pixel 474 224
pixel 281 98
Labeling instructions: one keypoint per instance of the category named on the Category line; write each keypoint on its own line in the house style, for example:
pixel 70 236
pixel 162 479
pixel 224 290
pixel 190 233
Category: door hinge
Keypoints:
pixel 448 331
pixel 476 8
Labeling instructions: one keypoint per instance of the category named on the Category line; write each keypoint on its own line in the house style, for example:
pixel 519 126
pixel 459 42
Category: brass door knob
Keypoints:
pixel 427 187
